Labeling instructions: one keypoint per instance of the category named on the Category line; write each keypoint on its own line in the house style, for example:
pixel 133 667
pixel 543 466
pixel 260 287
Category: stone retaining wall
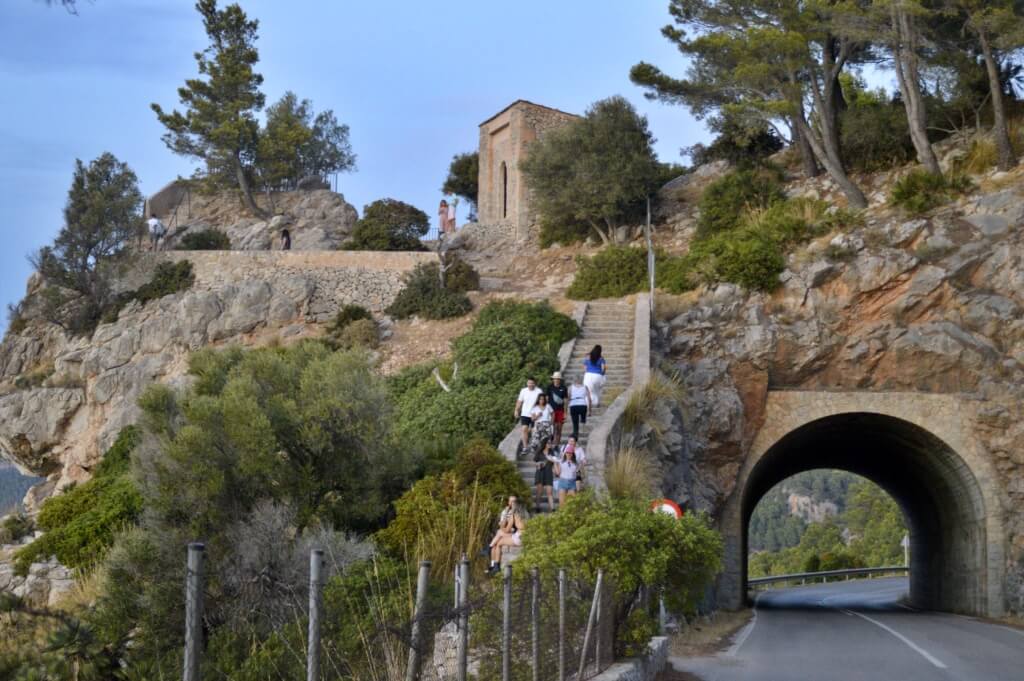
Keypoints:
pixel 368 278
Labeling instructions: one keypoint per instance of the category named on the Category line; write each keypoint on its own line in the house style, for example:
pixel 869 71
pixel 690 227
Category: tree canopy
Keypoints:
pixel 102 216
pixel 463 176
pixel 389 225
pixel 598 169
pixel 294 144
pixel 218 125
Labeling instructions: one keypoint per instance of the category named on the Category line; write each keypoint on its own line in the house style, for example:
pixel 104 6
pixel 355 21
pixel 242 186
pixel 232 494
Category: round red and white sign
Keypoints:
pixel 666 506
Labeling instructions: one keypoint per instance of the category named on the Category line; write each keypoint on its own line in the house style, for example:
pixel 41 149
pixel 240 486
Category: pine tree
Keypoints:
pixel 102 215
pixel 219 123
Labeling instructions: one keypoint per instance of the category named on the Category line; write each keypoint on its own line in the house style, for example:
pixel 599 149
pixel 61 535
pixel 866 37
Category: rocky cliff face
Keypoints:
pixel 318 219
pixel 931 305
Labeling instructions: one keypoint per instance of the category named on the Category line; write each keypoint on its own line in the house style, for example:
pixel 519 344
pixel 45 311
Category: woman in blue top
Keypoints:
pixel 594 368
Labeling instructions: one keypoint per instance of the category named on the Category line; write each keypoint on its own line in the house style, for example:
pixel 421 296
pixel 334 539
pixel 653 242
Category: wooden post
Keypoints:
pixel 561 625
pixel 193 611
pixel 316 567
pixel 412 670
pixel 590 625
pixel 463 595
pixel 506 627
pixel 535 616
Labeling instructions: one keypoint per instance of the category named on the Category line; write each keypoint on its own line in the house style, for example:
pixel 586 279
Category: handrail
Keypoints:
pixel 826 574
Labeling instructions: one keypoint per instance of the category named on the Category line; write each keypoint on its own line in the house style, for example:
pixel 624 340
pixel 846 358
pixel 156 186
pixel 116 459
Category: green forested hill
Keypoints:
pixel 865 531
pixel 13 486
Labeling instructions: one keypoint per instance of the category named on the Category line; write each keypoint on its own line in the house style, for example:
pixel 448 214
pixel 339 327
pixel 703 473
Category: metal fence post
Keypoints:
pixel 535 616
pixel 506 627
pixel 193 610
pixel 316 566
pixel 561 625
pixel 590 624
pixel 412 670
pixel 463 610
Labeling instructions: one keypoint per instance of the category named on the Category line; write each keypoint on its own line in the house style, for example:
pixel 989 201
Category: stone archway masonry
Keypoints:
pixel 946 417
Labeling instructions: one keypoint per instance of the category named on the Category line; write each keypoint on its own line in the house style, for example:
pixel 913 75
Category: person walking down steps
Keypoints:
pixel 524 406
pixel 595 368
pixel 558 397
pixel 579 405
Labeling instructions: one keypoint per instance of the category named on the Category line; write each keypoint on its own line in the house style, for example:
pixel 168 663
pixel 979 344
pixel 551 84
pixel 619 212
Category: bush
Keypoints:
pixel 919 191
pixel 613 272
pixel 509 341
pixel 724 202
pixel 14 527
pixel 563 232
pixel 348 314
pixel 875 136
pixel 168 278
pixel 633 546
pixel 446 515
pixel 737 142
pixel 205 240
pixel 81 524
pixel 424 296
pixel 460 277
pixel 361 333
pixel 389 225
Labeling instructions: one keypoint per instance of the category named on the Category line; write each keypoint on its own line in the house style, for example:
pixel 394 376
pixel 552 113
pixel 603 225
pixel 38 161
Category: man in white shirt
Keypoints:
pixel 156 230
pixel 524 405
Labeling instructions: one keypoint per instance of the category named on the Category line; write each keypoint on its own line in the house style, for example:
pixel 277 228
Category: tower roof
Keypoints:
pixel 528 103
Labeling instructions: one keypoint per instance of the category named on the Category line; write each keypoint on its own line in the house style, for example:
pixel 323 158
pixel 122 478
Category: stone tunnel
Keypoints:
pixel 912 445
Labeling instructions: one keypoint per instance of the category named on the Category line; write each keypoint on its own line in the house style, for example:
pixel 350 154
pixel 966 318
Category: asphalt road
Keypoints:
pixel 848 631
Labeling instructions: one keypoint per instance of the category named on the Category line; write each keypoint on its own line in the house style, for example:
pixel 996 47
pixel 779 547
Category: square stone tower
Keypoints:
pixel 504 200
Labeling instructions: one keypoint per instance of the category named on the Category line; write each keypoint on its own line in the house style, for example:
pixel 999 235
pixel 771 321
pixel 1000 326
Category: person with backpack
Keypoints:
pixel 558 398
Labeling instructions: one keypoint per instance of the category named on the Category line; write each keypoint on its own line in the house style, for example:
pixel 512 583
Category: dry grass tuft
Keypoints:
pixel 710 634
pixel 640 408
pixel 667 306
pixel 631 475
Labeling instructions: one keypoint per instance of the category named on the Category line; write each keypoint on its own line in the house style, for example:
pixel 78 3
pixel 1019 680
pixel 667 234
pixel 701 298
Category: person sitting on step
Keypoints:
pixel 511 524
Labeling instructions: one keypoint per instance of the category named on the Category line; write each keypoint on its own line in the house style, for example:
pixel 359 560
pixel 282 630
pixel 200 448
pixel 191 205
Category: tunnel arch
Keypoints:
pixel 913 446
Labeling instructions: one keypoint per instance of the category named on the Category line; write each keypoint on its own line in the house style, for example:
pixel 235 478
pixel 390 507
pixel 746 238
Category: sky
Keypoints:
pixel 412 79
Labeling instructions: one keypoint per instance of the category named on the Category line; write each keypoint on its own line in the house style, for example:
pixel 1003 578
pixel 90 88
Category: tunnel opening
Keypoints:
pixel 940 498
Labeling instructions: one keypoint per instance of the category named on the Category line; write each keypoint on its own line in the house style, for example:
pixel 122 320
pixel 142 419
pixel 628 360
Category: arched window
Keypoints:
pixel 504 190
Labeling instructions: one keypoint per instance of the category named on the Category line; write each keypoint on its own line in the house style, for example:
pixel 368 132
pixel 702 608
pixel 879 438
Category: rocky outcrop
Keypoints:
pixel 60 428
pixel 925 305
pixel 318 219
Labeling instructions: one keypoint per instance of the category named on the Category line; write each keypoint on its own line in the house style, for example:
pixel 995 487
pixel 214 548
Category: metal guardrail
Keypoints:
pixel 804 577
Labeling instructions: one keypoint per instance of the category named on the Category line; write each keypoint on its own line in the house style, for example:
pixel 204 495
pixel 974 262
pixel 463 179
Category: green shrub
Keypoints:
pixel 919 190
pixel 509 341
pixel 14 527
pixel 461 277
pixel 636 633
pixel 389 225
pixel 737 142
pixel 361 333
pixel 348 314
pixel 563 232
pixel 424 296
pixel 727 199
pixel 168 278
pixel 205 240
pixel 875 136
pixel 81 524
pixel 613 272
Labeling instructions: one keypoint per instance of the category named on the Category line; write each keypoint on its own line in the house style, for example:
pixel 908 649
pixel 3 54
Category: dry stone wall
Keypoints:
pixel 334 278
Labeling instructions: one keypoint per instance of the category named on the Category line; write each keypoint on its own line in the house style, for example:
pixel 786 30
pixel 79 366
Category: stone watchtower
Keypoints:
pixel 504 137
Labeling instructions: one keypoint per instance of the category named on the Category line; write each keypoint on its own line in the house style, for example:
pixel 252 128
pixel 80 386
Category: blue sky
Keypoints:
pixel 413 79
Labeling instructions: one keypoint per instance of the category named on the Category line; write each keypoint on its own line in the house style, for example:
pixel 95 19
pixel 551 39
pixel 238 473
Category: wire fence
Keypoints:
pixel 518 626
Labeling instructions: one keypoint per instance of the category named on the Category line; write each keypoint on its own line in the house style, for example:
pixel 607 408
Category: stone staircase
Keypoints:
pixel 610 325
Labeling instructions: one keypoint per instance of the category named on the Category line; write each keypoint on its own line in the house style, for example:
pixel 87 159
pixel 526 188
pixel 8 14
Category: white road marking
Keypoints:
pixel 913 646
pixel 734 649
